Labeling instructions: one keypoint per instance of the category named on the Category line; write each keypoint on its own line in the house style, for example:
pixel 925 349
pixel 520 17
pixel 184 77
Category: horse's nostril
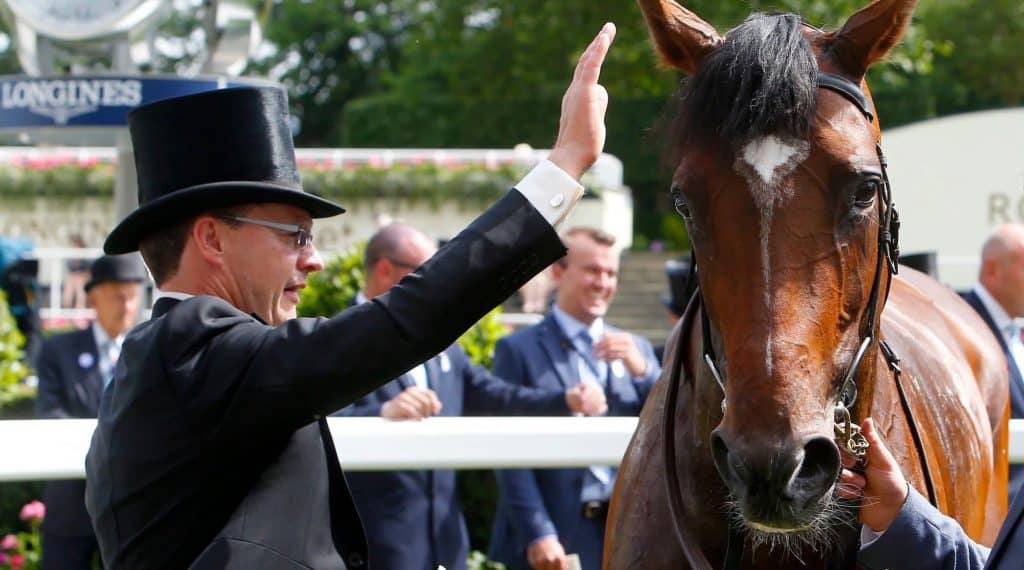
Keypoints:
pixel 720 452
pixel 818 470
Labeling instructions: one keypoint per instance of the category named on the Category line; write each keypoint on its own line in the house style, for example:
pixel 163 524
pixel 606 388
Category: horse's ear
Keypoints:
pixel 681 38
pixel 870 33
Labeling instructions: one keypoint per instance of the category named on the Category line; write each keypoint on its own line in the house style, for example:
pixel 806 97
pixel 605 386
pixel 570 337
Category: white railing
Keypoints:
pixel 55 449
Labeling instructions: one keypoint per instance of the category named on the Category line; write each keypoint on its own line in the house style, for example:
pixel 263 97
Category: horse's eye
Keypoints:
pixel 679 202
pixel 864 195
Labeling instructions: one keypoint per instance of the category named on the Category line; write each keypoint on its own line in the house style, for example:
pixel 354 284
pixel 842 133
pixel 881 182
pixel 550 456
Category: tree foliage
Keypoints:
pixel 329 52
pixel 957 56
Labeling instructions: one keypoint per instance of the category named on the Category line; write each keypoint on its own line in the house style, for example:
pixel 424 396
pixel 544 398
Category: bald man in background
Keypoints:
pixel 999 298
pixel 413 519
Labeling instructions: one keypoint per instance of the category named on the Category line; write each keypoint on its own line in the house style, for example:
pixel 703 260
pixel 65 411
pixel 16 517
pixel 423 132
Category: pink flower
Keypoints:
pixel 34 511
pixel 3 558
pixel 9 542
pixel 17 560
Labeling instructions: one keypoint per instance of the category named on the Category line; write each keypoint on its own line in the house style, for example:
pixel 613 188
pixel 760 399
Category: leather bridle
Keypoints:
pixel 847 434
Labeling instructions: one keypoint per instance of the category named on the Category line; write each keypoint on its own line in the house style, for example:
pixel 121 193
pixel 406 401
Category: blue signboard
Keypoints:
pixel 96 101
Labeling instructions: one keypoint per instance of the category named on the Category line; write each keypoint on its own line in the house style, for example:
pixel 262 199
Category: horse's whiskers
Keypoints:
pixel 820 534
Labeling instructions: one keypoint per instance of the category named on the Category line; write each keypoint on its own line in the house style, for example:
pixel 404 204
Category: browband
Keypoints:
pixel 848 89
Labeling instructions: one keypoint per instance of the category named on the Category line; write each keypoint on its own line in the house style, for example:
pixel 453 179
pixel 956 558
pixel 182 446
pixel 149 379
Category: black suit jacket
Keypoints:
pixel 1016 385
pixel 70 385
pixel 413 519
pixel 206 399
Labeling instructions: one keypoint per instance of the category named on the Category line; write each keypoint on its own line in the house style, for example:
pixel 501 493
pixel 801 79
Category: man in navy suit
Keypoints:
pixel 543 514
pixel 413 518
pixel 74 368
pixel 999 298
pixel 901 529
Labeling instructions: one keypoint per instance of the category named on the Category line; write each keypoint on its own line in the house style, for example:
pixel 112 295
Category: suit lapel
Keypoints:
pixel 1016 390
pixel 91 387
pixel 1016 383
pixel 392 389
pixel 557 347
pixel 435 376
pixel 405 381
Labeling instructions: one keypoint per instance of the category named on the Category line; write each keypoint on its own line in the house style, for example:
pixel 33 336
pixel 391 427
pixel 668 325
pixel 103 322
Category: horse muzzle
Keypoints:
pixel 779 486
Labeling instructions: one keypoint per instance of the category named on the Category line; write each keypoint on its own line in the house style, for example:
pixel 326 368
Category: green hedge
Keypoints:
pixel 397 123
pixel 16 400
pixel 451 123
pixel 15 396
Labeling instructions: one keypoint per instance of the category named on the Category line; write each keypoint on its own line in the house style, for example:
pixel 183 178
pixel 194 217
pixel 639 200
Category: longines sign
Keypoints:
pixel 101 101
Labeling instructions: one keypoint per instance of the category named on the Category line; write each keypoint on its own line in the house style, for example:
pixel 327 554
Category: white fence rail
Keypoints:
pixel 55 449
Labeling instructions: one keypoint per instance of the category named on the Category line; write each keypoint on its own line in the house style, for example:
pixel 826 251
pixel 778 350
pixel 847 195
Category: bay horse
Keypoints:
pixel 800 327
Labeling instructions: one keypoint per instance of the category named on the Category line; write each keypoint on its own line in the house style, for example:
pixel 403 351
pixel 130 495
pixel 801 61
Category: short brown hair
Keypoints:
pixel 596 235
pixel 162 249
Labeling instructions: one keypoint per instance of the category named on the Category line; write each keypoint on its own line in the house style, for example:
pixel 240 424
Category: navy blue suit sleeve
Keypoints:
pixel 518 487
pixel 367 406
pixel 488 394
pixel 922 537
pixel 51 392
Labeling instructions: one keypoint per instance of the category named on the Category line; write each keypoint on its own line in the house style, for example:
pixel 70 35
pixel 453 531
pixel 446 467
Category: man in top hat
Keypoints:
pixel 211 450
pixel 73 369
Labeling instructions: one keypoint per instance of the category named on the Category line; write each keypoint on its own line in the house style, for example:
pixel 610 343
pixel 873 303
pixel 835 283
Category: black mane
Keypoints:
pixel 761 81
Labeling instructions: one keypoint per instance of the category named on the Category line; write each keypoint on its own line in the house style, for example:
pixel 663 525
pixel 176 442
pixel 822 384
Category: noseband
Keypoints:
pixel 847 434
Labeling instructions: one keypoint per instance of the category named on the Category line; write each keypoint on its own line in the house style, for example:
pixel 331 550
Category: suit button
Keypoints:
pixel 355 559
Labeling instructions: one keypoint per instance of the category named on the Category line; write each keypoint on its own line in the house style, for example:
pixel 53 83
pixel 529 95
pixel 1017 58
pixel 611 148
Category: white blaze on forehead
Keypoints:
pixel 767 155
pixel 766 163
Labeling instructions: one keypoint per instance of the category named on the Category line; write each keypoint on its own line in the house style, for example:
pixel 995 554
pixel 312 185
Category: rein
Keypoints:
pixel 847 434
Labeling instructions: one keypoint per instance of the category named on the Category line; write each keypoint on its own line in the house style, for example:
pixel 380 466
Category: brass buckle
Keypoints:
pixel 849 437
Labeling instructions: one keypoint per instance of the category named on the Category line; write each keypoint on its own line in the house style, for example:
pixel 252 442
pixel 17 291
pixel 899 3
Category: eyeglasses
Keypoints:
pixel 303 237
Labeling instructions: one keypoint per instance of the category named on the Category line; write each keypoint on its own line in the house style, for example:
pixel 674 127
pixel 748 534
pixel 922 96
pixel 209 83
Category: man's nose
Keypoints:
pixel 310 260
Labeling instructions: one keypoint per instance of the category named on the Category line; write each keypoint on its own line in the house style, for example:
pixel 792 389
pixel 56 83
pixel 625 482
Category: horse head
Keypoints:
pixel 783 191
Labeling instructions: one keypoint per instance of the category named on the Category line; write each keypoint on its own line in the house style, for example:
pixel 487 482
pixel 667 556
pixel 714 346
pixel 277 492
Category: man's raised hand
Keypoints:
pixel 581 130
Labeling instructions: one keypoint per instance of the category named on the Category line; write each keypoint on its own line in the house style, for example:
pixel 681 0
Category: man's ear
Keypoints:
pixel 207 239
pixel 558 270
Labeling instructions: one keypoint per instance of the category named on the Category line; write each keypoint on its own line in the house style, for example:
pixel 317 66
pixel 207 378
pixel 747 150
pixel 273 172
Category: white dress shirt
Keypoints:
pixel 108 349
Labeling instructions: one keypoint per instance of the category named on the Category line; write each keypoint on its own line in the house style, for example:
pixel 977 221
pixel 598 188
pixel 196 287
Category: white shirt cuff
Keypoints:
pixel 551 191
pixel 868 535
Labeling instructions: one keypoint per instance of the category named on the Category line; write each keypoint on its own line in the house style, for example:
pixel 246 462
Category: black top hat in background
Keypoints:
pixel 678 272
pixel 211 150
pixel 119 268
pixel 926 262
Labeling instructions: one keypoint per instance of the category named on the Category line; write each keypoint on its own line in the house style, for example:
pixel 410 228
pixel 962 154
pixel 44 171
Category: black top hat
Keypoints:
pixel 109 268
pixel 211 150
pixel 678 272
pixel 926 262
